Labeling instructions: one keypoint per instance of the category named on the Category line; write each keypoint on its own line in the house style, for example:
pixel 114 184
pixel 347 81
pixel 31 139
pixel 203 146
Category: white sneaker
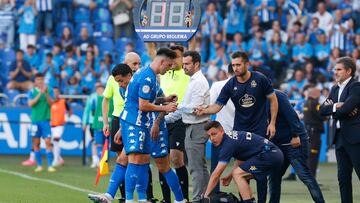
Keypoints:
pixel 101 198
pixel 182 201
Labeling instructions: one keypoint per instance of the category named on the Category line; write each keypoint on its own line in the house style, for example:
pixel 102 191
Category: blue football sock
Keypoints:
pixel 131 177
pixel 99 151
pixel 173 181
pixel 38 158
pixel 142 181
pixel 50 157
pixel 116 179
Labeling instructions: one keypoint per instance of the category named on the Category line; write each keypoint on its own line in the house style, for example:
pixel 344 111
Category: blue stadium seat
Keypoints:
pixel 121 43
pixel 82 14
pixel 19 3
pixel 81 25
pixel 101 15
pixel 104 30
pixel 102 3
pixel 60 27
pixel 7 56
pixel 105 45
pixel 45 42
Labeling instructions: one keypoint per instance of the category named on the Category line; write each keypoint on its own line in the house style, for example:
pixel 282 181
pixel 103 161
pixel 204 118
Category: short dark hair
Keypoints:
pixel 348 63
pixel 121 69
pixel 195 56
pixel 30 46
pixel 240 54
pixel 212 124
pixel 19 51
pixel 166 52
pixel 49 55
pixel 177 47
pixel 230 69
pixel 69 49
pixel 58 44
pixel 39 75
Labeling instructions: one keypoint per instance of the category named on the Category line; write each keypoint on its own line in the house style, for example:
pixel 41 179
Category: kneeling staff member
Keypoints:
pixel 256 157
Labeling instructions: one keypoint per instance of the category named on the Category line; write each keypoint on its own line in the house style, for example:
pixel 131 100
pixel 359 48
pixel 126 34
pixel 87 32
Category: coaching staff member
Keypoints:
pixel 343 104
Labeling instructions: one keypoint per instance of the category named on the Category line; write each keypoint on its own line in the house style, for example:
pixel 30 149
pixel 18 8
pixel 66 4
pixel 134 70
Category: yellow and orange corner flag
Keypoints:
pixel 103 168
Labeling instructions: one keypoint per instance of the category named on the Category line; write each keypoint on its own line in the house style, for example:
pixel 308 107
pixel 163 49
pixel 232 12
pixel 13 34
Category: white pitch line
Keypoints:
pixel 47 181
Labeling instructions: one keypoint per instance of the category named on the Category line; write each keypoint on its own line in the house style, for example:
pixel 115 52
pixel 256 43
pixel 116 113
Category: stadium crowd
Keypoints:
pixel 76 43
pixel 79 47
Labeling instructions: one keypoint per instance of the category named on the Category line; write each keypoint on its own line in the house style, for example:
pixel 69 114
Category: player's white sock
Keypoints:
pixel 32 156
pixel 56 151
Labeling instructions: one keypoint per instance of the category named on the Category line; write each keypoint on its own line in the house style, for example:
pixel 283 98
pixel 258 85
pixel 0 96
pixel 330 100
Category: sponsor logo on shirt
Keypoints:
pixel 247 101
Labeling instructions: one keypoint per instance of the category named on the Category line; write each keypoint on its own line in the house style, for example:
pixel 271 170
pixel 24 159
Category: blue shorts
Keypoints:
pixel 99 137
pixel 135 139
pixel 41 129
pixel 159 147
pixel 263 164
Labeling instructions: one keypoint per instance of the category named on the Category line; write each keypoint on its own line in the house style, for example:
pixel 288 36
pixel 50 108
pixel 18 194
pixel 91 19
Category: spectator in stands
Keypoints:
pixel 83 42
pixel 57 54
pixel 255 25
pixel 211 24
pixel 281 13
pixel 338 32
pixel 32 57
pixel 313 31
pixel 296 85
pixel 27 26
pixel 310 74
pixel 302 51
pixel 73 86
pixel 122 17
pixel 297 12
pixel 128 48
pixel 257 50
pixel 64 10
pixel 70 66
pixel 356 56
pixel 335 54
pixel 7 22
pixel 346 9
pixel 265 10
pixel 235 18
pixel 356 12
pixel 237 44
pixel 276 28
pixel 45 16
pixel 277 54
pixel 66 37
pixel 93 48
pixel 296 28
pixel 89 68
pixel 50 69
pixel 325 18
pixel 322 50
pixel 20 73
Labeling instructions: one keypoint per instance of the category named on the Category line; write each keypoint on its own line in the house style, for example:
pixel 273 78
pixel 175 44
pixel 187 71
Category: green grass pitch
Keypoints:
pixel 72 182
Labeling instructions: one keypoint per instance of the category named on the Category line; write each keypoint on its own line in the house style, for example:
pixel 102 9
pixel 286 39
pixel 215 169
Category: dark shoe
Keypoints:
pixel 291 177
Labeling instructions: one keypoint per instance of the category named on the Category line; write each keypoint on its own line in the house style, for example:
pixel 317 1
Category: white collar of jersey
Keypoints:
pixel 196 75
pixel 343 84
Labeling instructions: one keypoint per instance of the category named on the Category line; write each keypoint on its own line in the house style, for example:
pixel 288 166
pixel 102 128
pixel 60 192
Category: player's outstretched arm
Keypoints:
pixel 211 109
pixel 214 178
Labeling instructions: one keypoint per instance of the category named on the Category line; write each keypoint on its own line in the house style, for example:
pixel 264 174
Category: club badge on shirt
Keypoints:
pixel 146 89
pixel 253 84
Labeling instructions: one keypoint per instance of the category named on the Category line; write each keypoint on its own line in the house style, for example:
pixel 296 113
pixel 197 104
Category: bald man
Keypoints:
pixel 132 59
